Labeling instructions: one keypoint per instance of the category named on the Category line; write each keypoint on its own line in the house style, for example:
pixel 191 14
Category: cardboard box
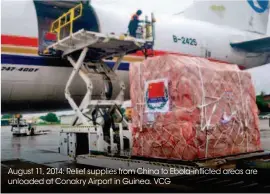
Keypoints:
pixel 189 108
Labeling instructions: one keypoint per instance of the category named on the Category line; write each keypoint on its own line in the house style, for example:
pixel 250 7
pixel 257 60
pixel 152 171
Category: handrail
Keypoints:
pixel 66 19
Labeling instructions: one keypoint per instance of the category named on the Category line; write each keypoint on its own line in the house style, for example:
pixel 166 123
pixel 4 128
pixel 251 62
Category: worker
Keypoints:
pixel 128 113
pixel 134 23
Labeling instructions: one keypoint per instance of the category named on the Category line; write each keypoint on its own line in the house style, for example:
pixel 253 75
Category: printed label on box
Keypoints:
pixel 156 96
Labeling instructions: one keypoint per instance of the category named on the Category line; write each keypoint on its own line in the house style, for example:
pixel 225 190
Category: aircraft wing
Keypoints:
pixel 260 45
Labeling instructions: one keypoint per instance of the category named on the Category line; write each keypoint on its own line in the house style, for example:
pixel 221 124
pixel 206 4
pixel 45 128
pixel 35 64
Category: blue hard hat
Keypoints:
pixel 139 12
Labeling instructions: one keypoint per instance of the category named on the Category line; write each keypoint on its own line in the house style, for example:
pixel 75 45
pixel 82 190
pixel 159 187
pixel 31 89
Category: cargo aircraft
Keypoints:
pixel 225 31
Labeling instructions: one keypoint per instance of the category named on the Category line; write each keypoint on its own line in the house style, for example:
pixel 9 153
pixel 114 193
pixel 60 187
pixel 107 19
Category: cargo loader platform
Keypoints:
pixel 256 159
pixel 102 46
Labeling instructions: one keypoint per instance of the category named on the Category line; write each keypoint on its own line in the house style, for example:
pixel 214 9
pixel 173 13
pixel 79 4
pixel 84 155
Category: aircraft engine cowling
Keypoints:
pixel 107 87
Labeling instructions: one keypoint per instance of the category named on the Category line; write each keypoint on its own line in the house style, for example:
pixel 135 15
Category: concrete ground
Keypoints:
pixel 42 151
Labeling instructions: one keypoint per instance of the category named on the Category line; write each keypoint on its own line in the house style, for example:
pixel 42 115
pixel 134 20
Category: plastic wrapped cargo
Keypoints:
pixel 190 108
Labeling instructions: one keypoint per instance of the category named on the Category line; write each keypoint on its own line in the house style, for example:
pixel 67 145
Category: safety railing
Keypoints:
pixel 146 29
pixel 66 19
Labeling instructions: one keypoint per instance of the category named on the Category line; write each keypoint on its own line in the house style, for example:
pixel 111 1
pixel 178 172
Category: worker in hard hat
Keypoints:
pixel 134 23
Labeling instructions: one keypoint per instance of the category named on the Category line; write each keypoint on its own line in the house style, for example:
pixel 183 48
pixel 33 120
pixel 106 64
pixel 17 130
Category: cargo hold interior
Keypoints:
pixel 49 11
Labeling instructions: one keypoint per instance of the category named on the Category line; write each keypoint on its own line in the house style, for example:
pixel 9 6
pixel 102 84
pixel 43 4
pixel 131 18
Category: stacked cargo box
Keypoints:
pixel 189 108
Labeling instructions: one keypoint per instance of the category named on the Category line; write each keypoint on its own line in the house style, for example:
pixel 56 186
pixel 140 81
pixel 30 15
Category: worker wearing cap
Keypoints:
pixel 134 23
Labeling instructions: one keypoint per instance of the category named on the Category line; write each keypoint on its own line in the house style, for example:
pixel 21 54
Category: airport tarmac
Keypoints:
pixel 43 149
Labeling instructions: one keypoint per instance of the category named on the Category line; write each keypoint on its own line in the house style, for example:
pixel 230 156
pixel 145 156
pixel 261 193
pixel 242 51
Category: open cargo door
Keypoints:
pixel 48 11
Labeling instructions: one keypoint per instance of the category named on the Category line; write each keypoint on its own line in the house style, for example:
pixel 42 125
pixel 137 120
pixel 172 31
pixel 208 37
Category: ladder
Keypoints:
pixel 103 47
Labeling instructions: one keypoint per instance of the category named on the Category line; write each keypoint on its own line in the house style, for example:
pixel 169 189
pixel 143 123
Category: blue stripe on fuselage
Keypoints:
pixel 47 61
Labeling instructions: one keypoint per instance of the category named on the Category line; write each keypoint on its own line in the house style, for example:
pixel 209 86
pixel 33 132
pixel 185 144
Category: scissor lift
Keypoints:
pixel 103 47
pixel 86 52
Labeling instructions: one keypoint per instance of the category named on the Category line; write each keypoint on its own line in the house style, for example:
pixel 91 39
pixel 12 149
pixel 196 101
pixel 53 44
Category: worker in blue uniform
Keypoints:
pixel 134 23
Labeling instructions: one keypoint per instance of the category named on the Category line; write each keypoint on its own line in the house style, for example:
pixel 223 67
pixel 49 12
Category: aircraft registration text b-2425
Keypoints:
pixel 185 40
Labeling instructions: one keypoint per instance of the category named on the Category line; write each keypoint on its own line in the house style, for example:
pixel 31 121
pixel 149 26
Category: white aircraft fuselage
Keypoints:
pixel 31 82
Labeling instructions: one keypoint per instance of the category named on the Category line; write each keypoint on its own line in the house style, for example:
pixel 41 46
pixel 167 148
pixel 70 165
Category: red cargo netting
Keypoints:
pixel 211 109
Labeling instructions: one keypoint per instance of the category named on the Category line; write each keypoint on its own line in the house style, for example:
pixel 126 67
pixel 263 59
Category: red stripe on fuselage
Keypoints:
pixel 33 42
pixel 160 53
pixel 19 40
